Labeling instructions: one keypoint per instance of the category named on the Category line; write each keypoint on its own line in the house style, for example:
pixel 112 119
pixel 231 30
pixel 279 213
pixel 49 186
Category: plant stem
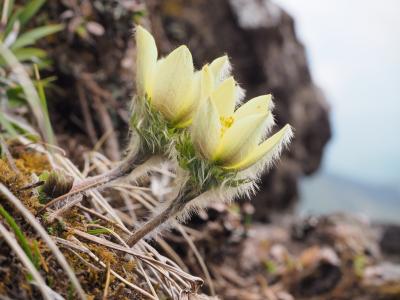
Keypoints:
pixel 174 207
pixel 4 15
pixel 150 226
pixel 126 166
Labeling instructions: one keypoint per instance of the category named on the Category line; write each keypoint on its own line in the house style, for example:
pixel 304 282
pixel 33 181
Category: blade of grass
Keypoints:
pixel 26 54
pixel 29 53
pixel 18 233
pixel 26 262
pixel 31 36
pixel 98 231
pixel 11 22
pixel 30 10
pixel 36 254
pixel 43 103
pixel 7 126
pixel 4 13
pixel 46 238
pixel 22 128
pixel 31 94
pixel 10 7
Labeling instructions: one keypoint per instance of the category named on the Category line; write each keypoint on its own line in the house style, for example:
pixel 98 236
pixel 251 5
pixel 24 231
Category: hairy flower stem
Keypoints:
pixel 125 167
pixel 173 208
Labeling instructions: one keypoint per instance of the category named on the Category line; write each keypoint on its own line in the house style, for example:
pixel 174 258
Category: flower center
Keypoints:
pixel 226 123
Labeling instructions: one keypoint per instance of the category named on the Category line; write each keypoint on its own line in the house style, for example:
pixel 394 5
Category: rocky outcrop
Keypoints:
pixel 267 56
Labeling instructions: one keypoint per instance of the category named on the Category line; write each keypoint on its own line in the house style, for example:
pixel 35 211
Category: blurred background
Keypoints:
pixel 353 49
pixel 332 67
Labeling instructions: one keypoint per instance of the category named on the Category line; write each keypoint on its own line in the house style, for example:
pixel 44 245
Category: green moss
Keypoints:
pixel 91 280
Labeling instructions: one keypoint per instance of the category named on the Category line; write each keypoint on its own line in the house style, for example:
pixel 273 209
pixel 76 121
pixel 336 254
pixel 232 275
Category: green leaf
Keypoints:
pixel 98 231
pixel 25 54
pixel 18 232
pixel 36 254
pixel 44 63
pixel 31 36
pixel 19 128
pixel 43 104
pixel 7 125
pixel 29 90
pixel 30 10
pixel 47 82
pixel 10 7
pixel 11 21
pixel 15 96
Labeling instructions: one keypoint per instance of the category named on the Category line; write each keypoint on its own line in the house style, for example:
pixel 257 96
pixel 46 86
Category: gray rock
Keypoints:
pixel 390 240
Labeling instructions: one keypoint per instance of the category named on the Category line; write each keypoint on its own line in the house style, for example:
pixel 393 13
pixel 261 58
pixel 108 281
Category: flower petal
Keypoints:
pixel 193 103
pixel 207 82
pixel 224 97
pixel 221 68
pixel 239 139
pixel 269 149
pixel 202 87
pixel 173 83
pixel 206 129
pixel 257 105
pixel 146 58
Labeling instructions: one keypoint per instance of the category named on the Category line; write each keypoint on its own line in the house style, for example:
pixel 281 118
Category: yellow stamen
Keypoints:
pixel 226 123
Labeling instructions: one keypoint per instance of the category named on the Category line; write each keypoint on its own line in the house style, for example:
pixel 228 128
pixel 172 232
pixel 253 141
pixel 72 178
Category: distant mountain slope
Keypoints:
pixel 325 193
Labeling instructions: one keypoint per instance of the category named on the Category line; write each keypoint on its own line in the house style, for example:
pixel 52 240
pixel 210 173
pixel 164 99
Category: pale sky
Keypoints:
pixel 353 48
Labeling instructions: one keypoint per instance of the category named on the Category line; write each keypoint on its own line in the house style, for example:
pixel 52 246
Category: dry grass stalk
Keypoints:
pixel 43 234
pixel 155 269
pixel 11 241
pixel 107 284
pixel 8 155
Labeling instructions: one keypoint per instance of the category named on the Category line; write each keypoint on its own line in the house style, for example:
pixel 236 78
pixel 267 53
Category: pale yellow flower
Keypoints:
pixel 234 139
pixel 170 83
